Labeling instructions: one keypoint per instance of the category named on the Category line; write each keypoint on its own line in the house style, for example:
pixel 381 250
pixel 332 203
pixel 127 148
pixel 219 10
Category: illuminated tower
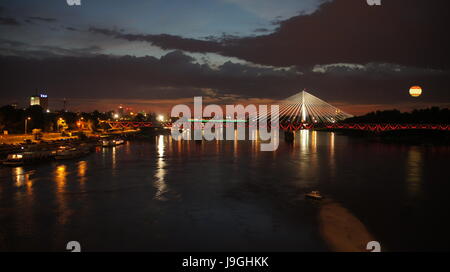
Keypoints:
pixel 40 100
pixel 303 107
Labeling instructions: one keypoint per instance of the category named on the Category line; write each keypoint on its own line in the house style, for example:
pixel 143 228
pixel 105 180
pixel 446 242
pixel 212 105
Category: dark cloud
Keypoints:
pixel 10 43
pixel 377 70
pixel 165 41
pixel 137 77
pixel 42 19
pixel 177 75
pixel 405 32
pixel 21 49
pixel 9 21
pixel 261 30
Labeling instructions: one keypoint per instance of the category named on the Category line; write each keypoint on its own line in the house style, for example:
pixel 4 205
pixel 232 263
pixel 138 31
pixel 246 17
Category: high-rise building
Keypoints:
pixel 120 111
pixel 41 100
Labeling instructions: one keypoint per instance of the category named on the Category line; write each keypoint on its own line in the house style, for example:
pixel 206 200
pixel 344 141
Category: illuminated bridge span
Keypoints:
pixel 134 125
pixel 367 127
pixel 295 126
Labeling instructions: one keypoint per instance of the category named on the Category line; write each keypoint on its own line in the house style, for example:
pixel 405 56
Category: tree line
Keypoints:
pixel 433 115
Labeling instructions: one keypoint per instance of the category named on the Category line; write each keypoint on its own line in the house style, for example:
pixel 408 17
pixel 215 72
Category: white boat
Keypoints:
pixel 314 195
pixel 119 141
pixel 108 143
pixel 28 157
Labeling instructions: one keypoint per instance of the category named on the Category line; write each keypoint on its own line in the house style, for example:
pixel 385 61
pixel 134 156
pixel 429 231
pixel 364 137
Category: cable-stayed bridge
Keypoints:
pixel 306 108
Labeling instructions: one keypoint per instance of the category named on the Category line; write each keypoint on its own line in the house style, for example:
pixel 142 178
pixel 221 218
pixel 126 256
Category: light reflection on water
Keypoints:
pixel 63 211
pixel 82 170
pixel 114 160
pixel 61 177
pixel 23 179
pixel 160 183
pixel 331 157
pixel 308 156
pixel 414 165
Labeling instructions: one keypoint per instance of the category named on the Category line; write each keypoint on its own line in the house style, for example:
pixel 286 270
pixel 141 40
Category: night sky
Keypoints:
pixel 150 55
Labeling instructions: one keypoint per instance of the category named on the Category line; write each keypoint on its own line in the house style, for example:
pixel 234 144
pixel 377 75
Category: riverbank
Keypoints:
pixel 13 139
pixel 10 144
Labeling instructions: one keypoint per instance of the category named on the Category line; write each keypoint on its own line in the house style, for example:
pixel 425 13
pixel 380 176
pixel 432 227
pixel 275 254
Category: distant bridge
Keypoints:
pixel 366 127
pixel 296 126
pixel 134 125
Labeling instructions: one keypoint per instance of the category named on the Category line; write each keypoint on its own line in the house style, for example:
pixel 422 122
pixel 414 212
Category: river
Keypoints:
pixel 167 195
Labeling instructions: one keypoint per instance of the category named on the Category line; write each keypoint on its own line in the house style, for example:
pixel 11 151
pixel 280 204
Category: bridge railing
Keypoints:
pixel 388 127
pixel 295 126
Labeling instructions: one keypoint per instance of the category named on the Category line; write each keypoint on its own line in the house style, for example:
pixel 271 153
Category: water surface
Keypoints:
pixel 167 195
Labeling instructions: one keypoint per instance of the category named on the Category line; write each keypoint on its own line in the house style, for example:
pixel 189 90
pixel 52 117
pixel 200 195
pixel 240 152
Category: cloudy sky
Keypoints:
pixel 150 55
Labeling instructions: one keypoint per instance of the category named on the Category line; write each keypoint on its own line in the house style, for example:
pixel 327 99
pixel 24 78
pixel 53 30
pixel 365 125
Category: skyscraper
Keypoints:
pixel 41 100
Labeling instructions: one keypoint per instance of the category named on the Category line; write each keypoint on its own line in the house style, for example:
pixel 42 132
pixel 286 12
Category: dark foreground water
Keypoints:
pixel 227 195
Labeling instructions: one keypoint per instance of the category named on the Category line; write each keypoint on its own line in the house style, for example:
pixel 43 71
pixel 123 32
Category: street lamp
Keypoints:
pixel 59 122
pixel 26 123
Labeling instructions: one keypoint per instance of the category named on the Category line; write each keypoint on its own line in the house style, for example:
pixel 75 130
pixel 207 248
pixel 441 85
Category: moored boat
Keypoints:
pixel 119 141
pixel 65 153
pixel 28 157
pixel 114 142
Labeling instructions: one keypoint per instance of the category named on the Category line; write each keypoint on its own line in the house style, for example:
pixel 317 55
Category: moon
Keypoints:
pixel 415 91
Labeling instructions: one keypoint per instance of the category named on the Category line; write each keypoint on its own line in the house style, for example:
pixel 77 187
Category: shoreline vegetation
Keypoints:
pixel 433 115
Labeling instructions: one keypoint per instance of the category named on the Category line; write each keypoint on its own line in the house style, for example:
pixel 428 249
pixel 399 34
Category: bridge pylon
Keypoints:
pixel 306 108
